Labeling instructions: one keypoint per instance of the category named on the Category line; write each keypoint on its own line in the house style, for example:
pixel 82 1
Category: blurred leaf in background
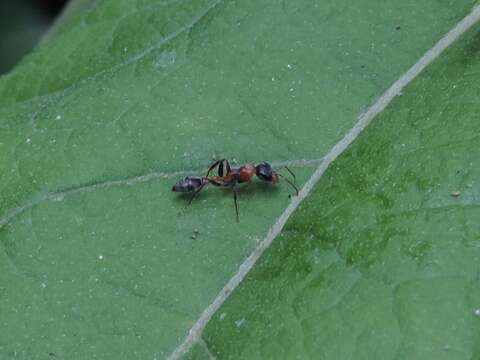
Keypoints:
pixel 22 24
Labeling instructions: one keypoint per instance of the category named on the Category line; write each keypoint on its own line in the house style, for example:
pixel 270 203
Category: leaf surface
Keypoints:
pixel 382 260
pixel 99 259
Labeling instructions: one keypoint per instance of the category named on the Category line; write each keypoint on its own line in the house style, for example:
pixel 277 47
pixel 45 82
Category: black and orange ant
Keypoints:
pixel 229 177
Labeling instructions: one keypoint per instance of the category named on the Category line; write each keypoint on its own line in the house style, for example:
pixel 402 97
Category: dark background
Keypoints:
pixel 22 25
pixel 51 7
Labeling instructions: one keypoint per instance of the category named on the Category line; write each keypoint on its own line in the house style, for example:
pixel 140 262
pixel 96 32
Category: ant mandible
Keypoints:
pixel 230 177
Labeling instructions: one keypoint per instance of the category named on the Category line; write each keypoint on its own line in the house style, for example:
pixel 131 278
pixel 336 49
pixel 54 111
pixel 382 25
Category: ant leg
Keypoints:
pixel 213 180
pixel 227 165
pixel 220 168
pixel 290 171
pixel 224 166
pixel 196 193
pixel 290 183
pixel 235 202
pixel 221 164
pixel 213 166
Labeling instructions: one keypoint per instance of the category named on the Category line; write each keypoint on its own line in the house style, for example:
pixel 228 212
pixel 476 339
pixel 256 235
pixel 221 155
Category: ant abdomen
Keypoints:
pixel 188 184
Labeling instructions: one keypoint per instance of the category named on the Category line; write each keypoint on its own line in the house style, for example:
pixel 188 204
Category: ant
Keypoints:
pixel 230 177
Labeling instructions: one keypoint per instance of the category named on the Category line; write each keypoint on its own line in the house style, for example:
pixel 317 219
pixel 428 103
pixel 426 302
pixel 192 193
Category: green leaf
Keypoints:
pixel 99 258
pixel 382 260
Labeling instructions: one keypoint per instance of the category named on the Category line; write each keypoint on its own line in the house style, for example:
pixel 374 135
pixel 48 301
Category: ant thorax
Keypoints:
pixel 246 172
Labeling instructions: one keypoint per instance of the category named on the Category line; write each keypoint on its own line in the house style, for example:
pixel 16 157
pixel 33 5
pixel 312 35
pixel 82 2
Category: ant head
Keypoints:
pixel 264 171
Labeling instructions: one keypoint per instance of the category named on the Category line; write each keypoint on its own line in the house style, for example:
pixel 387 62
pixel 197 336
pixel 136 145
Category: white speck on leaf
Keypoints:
pixel 100 257
pixel 240 322
pixel 477 312
pixel 58 197
pixel 166 59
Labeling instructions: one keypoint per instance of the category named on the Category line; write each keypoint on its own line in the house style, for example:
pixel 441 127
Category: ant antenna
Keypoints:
pixel 291 173
pixel 289 182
